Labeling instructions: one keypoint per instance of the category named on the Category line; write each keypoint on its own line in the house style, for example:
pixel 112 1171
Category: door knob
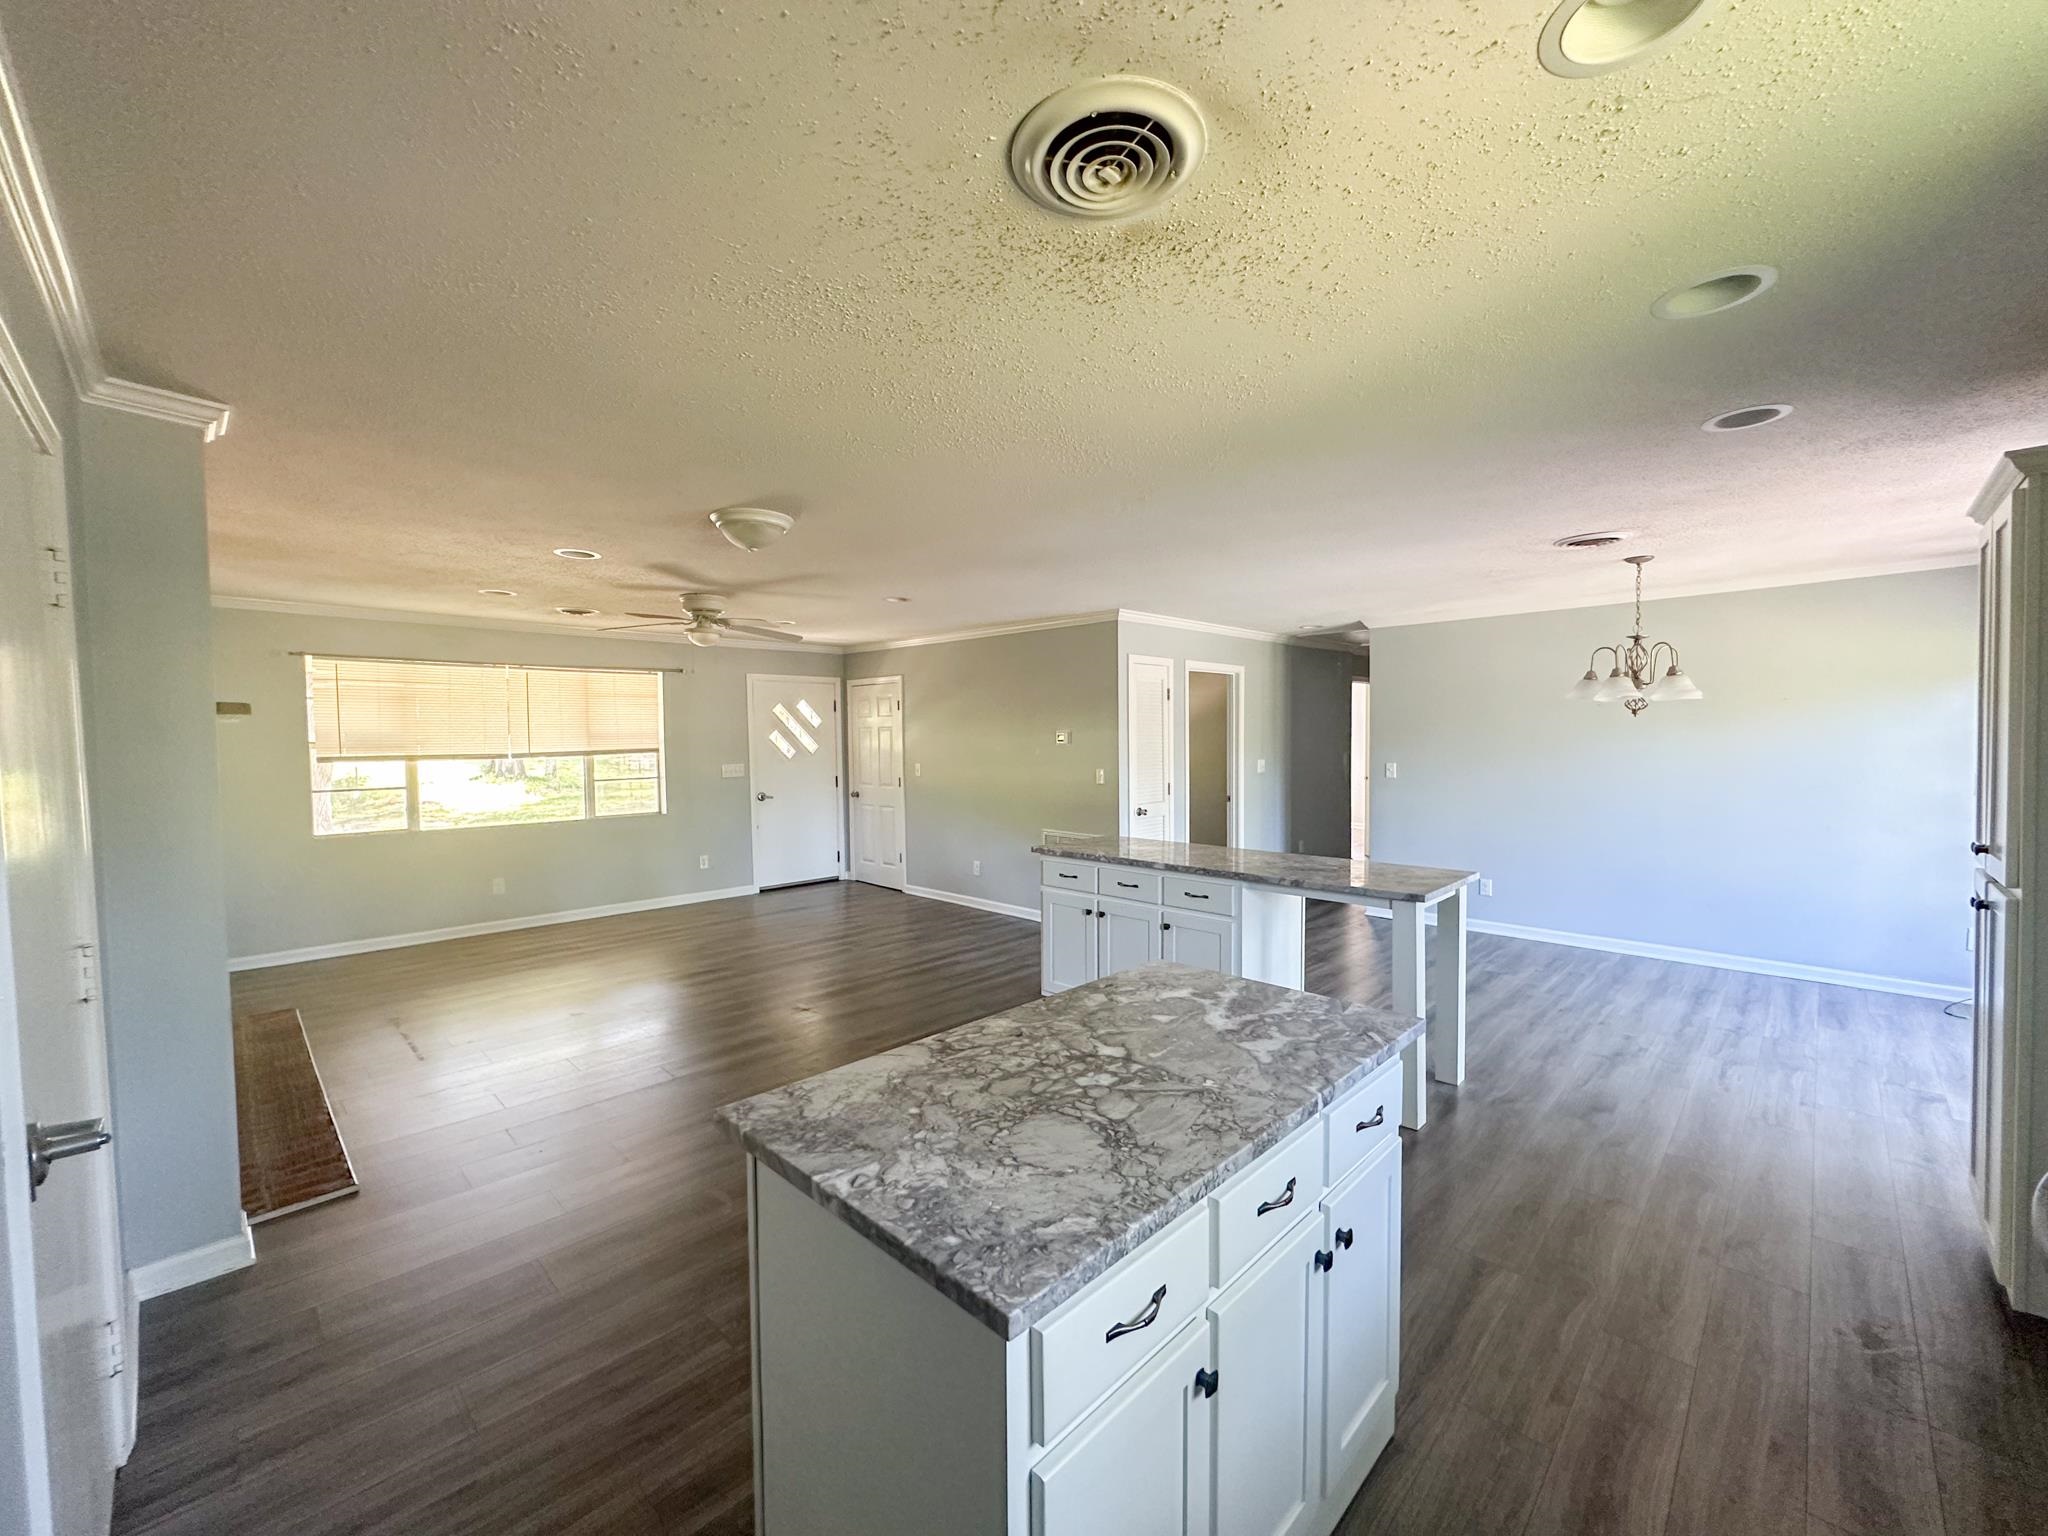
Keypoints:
pixel 49 1143
pixel 1979 904
pixel 855 793
pixel 763 795
pixel 1142 811
pixel 1980 847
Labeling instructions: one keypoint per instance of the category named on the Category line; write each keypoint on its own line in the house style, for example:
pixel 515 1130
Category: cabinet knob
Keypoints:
pixel 1344 1236
pixel 1324 1258
pixel 1205 1383
pixel 1166 927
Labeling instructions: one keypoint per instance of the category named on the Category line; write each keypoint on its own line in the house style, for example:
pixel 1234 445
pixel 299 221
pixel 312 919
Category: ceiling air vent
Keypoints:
pixel 1603 540
pixel 1108 149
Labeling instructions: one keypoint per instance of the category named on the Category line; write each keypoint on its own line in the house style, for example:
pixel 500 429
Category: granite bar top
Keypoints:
pixel 1012 1160
pixel 1312 874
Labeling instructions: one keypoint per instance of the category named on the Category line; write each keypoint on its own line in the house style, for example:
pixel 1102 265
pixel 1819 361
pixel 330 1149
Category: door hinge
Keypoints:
pixel 58 569
pixel 117 1360
pixel 88 972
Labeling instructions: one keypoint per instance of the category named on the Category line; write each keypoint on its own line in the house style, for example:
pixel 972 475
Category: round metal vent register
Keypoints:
pixel 1109 149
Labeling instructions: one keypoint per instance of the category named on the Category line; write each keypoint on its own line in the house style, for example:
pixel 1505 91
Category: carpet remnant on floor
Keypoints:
pixel 292 1155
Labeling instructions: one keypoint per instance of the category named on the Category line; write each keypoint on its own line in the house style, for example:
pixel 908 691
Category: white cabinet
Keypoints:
pixel 1066 939
pixel 1085 937
pixel 1127 935
pixel 1138 1465
pixel 1195 938
pixel 1268 1457
pixel 1361 1233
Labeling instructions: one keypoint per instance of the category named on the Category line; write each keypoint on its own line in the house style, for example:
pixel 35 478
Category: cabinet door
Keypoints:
pixel 1268 1420
pixel 1139 1464
pixel 1066 939
pixel 1127 934
pixel 1193 939
pixel 1361 1316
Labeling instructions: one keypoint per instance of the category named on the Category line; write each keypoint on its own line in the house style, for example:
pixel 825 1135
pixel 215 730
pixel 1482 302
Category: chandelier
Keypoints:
pixel 1635 681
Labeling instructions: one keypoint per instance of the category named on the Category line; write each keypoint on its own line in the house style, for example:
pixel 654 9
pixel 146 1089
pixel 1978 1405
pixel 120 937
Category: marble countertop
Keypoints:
pixel 1012 1160
pixel 1312 874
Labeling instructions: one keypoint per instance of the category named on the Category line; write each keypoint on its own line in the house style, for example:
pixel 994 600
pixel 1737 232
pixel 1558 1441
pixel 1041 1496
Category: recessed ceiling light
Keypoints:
pixel 751 528
pixel 577 613
pixel 1749 416
pixel 1711 295
pixel 1590 37
pixel 495 592
pixel 895 599
pixel 579 554
pixel 1606 539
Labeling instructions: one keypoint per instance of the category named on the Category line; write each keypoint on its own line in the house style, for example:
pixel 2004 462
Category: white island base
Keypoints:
pixel 1217 1381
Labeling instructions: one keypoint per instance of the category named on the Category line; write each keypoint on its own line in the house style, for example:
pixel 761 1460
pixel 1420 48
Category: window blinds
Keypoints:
pixel 386 709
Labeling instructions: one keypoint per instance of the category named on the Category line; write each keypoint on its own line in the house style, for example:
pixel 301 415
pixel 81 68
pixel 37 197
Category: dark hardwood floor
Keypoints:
pixel 1690 1252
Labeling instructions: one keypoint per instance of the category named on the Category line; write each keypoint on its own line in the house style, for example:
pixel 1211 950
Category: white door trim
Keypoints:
pixel 837 686
pixel 1175 820
pixel 1183 803
pixel 903 806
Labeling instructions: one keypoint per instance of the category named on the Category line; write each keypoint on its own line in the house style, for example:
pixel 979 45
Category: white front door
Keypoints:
pixel 60 1269
pixel 875 776
pixel 1149 738
pixel 793 743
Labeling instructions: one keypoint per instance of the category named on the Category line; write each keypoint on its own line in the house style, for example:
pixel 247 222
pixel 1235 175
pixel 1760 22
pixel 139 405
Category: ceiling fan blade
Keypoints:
pixel 661 618
pixel 759 634
pixel 734 618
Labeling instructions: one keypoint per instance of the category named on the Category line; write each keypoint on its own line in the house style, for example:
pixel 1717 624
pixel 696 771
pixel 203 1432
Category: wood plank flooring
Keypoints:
pixel 1690 1252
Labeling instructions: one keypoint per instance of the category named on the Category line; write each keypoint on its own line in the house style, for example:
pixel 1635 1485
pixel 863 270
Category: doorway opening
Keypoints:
pixel 1214 732
pixel 1361 768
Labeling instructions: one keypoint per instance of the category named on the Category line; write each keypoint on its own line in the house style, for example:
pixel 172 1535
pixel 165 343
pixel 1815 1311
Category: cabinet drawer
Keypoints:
pixel 1265 1201
pixel 1095 1339
pixel 1067 874
pixel 1218 896
pixel 1131 884
pixel 1362 1122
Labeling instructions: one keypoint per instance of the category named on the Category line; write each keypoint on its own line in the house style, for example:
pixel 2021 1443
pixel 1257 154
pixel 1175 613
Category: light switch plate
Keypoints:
pixel 1393 770
pixel 1099 778
pixel 1060 738
pixel 733 770
pixel 1262 765
pixel 703 861
pixel 1486 887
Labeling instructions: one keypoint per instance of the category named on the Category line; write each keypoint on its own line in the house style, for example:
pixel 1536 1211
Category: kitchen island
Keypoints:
pixel 1107 903
pixel 1119 1262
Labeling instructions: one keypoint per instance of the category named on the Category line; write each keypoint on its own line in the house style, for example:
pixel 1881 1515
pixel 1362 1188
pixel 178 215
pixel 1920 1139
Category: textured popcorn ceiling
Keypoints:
pixel 484 277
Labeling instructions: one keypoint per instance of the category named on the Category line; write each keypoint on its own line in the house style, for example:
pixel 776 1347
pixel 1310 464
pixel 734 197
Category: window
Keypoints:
pixel 423 746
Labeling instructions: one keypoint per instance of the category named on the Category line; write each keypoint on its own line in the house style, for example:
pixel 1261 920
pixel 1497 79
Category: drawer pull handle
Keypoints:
pixel 1196 895
pixel 1286 1199
pixel 1065 876
pixel 1344 1236
pixel 1324 1258
pixel 1205 1382
pixel 1379 1117
pixel 1144 1319
pixel 1129 885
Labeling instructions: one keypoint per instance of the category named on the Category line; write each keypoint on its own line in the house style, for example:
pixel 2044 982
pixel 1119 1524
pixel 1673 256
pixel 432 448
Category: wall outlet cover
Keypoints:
pixel 498 886
pixel 733 770
pixel 1061 738
pixel 977 866
pixel 1262 765
pixel 1100 776
pixel 703 861
pixel 1485 887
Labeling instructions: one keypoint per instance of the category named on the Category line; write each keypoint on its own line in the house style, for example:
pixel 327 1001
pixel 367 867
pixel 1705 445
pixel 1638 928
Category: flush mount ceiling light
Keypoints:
pixel 1606 539
pixel 1590 37
pixel 1108 149
pixel 751 528
pixel 1749 416
pixel 579 554
pixel 495 592
pixel 1634 682
pixel 1712 295
pixel 577 613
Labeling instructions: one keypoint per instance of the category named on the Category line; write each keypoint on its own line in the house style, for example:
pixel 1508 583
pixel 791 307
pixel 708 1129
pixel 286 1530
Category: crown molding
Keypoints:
pixel 2005 479
pixel 513 626
pixel 1203 627
pixel 984 632
pixel 33 216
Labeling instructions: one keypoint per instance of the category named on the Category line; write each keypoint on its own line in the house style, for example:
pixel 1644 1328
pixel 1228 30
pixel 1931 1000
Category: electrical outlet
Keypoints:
pixel 703 861
pixel 977 866
pixel 1262 765
pixel 917 770
pixel 1486 887
pixel 1061 738
pixel 498 886
pixel 1393 770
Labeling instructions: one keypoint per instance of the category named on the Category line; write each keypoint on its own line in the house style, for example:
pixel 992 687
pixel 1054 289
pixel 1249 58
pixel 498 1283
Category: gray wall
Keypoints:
pixel 1319 751
pixel 1814 808
pixel 290 890
pixel 145 627
pixel 979 718
pixel 1208 766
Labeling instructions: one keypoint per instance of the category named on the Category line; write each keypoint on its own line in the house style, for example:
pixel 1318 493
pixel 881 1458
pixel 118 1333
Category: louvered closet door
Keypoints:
pixel 1149 736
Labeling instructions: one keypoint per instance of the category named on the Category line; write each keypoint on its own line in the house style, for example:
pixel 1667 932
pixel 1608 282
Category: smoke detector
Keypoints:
pixel 1109 149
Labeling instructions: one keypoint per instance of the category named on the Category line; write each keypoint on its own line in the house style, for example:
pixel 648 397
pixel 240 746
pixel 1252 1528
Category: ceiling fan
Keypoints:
pixel 704 621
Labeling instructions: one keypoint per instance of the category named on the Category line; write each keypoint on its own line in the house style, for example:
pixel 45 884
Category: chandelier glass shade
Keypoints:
pixel 1642 671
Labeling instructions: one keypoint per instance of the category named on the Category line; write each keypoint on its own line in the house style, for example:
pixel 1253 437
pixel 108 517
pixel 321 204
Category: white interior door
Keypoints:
pixel 874 707
pixel 1149 740
pixel 793 745
pixel 60 1409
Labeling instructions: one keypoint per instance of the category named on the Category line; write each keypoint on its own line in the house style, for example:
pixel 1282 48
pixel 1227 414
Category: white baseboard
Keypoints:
pixel 1905 986
pixel 471 930
pixel 979 903
pixel 194 1265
